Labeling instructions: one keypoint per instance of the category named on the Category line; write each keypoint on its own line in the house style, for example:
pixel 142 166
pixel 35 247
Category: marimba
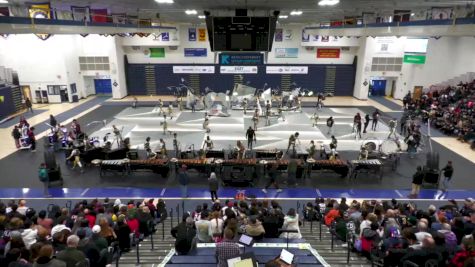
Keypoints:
pixel 204 166
pixel 366 166
pixel 338 166
pixel 159 166
pixel 118 165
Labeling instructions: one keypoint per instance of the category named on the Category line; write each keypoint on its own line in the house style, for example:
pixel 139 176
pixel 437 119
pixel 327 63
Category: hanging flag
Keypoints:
pixel 165 36
pixel 279 35
pixel 192 34
pixel 40 11
pixel 202 35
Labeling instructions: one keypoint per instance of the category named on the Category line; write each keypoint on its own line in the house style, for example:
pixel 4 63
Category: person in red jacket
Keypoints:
pixel 332 214
pixel 32 139
pixel 133 224
pixel 90 216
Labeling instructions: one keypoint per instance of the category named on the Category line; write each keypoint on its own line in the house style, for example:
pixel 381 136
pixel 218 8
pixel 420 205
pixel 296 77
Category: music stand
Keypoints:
pixel 288 231
pixel 246 241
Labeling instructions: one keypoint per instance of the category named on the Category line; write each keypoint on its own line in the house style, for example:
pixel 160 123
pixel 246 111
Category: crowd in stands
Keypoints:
pixel 224 223
pixel 396 233
pixel 450 110
pixel 89 234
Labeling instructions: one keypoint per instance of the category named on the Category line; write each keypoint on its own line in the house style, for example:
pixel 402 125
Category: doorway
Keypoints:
pixel 103 86
pixel 26 91
pixel 378 87
pixel 63 93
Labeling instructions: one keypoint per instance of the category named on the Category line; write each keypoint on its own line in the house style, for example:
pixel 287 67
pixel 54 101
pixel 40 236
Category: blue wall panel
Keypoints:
pixel 8 106
pixel 314 80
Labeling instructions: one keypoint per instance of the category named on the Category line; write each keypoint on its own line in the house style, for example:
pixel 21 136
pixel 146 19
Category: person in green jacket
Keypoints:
pixel 44 178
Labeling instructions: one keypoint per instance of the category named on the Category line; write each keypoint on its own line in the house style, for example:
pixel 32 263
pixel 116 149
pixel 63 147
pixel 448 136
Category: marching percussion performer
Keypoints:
pixel 75 157
pixel 281 113
pixel 255 119
pixel 333 143
pixel 244 105
pixel 208 144
pixel 165 124
pixel 117 134
pixel 251 137
pixel 315 119
pixel 134 103
pixel 363 153
pixel 163 149
pixel 160 107
pixel 292 141
pixel 148 150
pixel 241 149
pixel 392 128
pixel 175 145
pixel 170 111
pixel 206 125
pixel 311 150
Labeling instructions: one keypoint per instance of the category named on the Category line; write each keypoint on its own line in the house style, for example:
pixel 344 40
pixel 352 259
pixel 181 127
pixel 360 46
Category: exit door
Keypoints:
pixel 103 86
pixel 378 87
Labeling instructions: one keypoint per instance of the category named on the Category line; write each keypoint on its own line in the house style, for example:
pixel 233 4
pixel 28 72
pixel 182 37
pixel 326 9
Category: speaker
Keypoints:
pixel 49 159
pixel 241 12
pixel 432 161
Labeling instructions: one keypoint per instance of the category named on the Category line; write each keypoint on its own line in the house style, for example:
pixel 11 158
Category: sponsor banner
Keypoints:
pixel 241 59
pixel 415 59
pixel 192 34
pixel 202 35
pixel 196 52
pixel 287 70
pixel 288 35
pixel 328 53
pixel 157 52
pixel 193 69
pixel 279 35
pixel 286 52
pixel 238 69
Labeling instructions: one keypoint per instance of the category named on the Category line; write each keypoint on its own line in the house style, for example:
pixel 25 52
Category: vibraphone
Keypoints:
pixel 237 171
pixel 159 166
pixel 215 154
pixel 366 166
pixel 119 165
pixel 338 166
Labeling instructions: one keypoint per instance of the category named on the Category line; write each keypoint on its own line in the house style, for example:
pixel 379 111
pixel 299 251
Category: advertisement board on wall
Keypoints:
pixel 195 52
pixel 287 70
pixel 241 59
pixel 238 69
pixel 328 53
pixel 194 69
pixel 286 52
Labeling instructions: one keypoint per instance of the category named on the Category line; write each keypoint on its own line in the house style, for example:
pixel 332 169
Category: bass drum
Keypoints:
pixel 393 146
pixel 370 146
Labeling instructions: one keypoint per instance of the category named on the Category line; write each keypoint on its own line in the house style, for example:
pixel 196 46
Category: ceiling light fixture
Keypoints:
pixel 328 2
pixel 296 12
pixel 283 16
pixel 201 16
pixel 413 14
pixel 164 1
pixel 3 1
pixel 191 12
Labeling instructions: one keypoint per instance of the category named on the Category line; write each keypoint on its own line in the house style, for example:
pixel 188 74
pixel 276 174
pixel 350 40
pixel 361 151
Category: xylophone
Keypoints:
pixel 159 166
pixel 119 165
pixel 215 154
pixel 366 166
pixel 338 166
pixel 205 165
pixel 239 162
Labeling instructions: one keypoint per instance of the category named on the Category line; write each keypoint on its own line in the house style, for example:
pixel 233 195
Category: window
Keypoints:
pixel 56 89
pixel 94 63
pixel 386 64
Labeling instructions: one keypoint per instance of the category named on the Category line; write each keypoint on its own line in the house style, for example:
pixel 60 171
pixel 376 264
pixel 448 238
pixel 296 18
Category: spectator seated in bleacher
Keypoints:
pixel 254 228
pixel 227 249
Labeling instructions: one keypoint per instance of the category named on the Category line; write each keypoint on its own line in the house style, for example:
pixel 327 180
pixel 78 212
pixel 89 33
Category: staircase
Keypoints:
pixel 337 257
pixel 464 78
pixel 149 257
pixel 150 82
pixel 16 95
pixel 330 80
pixel 195 83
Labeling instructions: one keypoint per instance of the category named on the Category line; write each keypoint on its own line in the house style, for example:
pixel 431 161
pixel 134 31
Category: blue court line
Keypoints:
pixel 289 193
pixel 387 103
pixel 16 119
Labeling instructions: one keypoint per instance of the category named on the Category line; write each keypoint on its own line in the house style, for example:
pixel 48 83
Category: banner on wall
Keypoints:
pixel 325 38
pixel 193 69
pixel 238 69
pixel 40 11
pixel 328 53
pixel 241 59
pixel 279 35
pixel 305 36
pixel 286 52
pixel 196 52
pixel 165 36
pixel 287 70
pixel 202 35
pixel 192 34
pixel 157 52
pixel 288 35
pixel 415 59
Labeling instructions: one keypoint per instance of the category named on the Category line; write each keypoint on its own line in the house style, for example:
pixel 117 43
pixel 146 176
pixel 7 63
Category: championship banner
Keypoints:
pixel 279 35
pixel 328 52
pixel 40 11
pixel 192 34
pixel 286 52
pixel 196 52
pixel 194 69
pixel 305 36
pixel 287 70
pixel 202 35
pixel 238 69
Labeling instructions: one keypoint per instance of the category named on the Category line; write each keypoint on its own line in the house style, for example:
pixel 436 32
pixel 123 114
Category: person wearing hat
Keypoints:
pixel 447 171
pixel 99 241
pixel 183 179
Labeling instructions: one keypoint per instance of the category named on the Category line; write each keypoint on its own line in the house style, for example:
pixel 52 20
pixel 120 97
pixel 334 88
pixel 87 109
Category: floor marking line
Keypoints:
pixel 85 191
pixel 163 192
pixel 398 193
pixel 319 194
